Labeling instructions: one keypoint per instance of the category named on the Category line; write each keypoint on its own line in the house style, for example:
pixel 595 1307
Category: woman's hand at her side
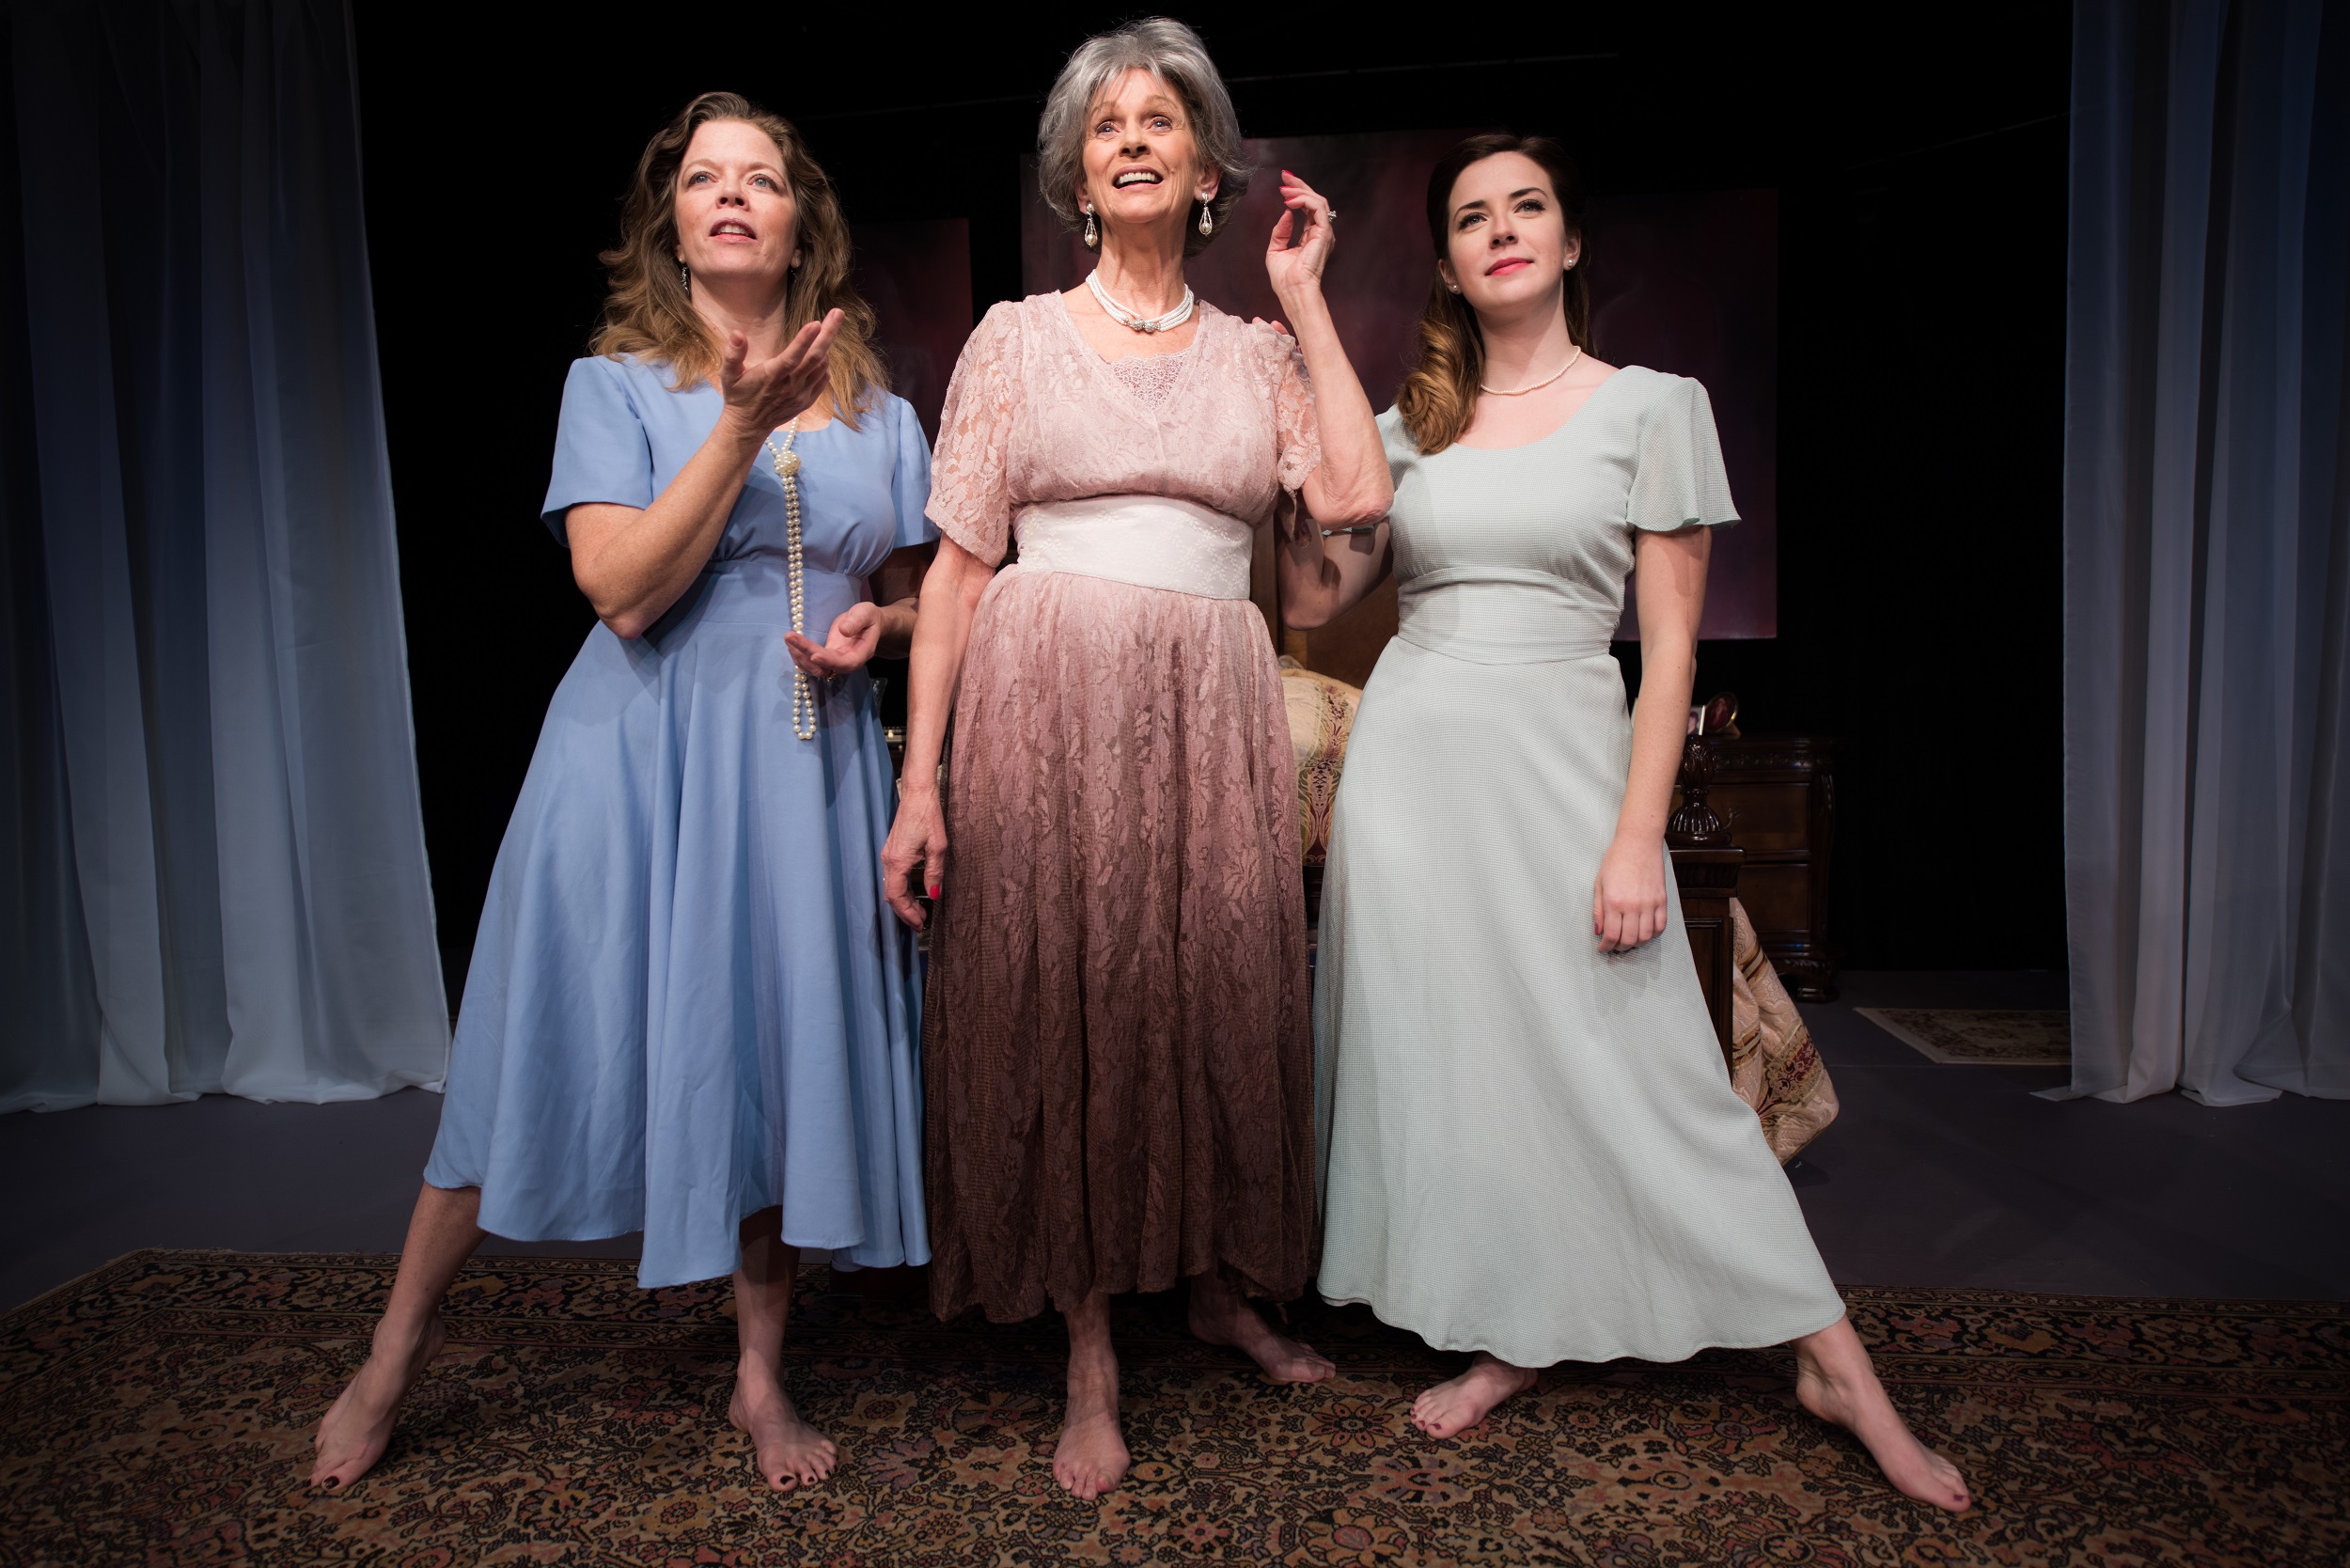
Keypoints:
pixel 953 583
pixel 761 395
pixel 917 841
pixel 1628 901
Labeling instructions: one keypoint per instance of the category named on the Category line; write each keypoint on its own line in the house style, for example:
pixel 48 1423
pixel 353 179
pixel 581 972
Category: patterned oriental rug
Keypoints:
pixel 158 1412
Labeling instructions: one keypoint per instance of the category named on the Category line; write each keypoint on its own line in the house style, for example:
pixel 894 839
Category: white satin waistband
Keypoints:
pixel 1153 541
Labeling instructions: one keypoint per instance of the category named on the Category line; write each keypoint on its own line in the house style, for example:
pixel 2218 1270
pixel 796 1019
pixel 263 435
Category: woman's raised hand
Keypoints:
pixel 854 636
pixel 1298 267
pixel 763 395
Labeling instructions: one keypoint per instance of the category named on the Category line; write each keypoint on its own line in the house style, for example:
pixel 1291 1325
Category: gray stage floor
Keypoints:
pixel 1933 1175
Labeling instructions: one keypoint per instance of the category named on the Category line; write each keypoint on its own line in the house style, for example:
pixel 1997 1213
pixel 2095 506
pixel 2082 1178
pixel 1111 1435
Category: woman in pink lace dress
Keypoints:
pixel 1117 1057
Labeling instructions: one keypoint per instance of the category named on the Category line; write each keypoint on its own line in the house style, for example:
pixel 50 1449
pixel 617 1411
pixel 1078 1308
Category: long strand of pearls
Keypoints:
pixel 788 472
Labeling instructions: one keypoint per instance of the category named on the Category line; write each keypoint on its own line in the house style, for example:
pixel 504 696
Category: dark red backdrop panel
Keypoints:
pixel 917 275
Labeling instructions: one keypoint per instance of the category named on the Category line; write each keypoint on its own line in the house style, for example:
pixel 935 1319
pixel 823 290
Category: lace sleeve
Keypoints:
pixel 1296 434
pixel 970 484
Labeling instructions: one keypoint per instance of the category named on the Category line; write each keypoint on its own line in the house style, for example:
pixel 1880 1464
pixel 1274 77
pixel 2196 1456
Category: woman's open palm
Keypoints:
pixel 760 396
pixel 854 637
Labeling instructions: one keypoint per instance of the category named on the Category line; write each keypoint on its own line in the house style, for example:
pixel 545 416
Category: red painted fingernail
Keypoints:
pixel 934 889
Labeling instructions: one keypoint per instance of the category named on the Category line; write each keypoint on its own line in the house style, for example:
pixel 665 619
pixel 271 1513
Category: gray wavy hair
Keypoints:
pixel 1174 54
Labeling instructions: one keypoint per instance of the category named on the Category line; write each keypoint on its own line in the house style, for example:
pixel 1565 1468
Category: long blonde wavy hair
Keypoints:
pixel 1439 396
pixel 648 311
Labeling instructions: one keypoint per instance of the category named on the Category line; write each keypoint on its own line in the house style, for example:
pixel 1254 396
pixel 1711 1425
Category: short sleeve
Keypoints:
pixel 601 452
pixel 1296 434
pixel 1678 479
pixel 970 477
pixel 910 477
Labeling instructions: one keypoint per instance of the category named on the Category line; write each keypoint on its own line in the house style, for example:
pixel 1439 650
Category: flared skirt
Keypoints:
pixel 687 1001
pixel 1529 1147
pixel 1118 1044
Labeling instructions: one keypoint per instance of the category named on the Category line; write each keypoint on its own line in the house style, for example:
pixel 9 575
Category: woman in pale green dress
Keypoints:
pixel 1530 1150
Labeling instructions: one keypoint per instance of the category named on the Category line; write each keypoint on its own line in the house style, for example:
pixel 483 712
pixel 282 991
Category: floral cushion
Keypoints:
pixel 1322 715
pixel 1773 1064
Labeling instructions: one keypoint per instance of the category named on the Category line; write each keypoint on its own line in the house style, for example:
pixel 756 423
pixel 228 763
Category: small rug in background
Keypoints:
pixel 158 1412
pixel 1967 1036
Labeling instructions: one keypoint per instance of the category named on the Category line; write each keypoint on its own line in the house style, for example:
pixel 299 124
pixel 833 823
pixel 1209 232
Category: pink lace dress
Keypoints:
pixel 1117 1057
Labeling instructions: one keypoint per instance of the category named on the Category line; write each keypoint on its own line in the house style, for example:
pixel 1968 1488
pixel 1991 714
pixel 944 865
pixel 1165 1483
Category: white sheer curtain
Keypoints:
pixel 221 879
pixel 2207 550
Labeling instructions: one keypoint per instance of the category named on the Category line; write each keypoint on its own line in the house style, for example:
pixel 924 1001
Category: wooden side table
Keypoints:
pixel 1706 869
pixel 1708 879
pixel 1778 794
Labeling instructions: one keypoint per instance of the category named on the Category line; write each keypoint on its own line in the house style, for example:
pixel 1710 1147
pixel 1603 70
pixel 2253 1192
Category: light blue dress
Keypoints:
pixel 688 1001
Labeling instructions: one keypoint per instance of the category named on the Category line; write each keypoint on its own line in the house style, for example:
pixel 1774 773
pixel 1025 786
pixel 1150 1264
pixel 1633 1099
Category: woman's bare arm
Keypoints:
pixel 898 590
pixel 1351 484
pixel 1350 487
pixel 633 562
pixel 1628 903
pixel 951 593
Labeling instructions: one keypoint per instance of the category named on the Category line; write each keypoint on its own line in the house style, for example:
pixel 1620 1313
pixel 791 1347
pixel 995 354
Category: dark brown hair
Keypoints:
pixel 1439 396
pixel 648 311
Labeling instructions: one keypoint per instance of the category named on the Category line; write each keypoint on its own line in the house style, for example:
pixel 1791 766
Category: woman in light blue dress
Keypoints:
pixel 688 1011
pixel 1530 1150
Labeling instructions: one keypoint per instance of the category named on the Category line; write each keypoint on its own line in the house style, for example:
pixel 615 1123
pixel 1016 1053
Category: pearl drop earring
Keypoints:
pixel 1093 235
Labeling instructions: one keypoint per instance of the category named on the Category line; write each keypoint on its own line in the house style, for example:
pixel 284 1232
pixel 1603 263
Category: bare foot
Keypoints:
pixel 356 1429
pixel 1469 1399
pixel 1836 1382
pixel 791 1452
pixel 1220 1316
pixel 1090 1457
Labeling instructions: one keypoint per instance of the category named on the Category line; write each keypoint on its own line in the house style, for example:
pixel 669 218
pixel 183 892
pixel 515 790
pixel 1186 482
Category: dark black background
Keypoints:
pixel 1919 154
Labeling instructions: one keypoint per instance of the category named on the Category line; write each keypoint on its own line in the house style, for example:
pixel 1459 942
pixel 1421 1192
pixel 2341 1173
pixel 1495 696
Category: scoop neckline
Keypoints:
pixel 1557 430
pixel 1187 362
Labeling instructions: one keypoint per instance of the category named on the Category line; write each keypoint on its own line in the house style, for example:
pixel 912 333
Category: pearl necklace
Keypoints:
pixel 1126 318
pixel 788 470
pixel 1522 391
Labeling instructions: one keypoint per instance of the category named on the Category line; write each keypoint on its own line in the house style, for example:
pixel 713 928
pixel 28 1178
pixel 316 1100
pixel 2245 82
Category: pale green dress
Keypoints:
pixel 1529 1147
